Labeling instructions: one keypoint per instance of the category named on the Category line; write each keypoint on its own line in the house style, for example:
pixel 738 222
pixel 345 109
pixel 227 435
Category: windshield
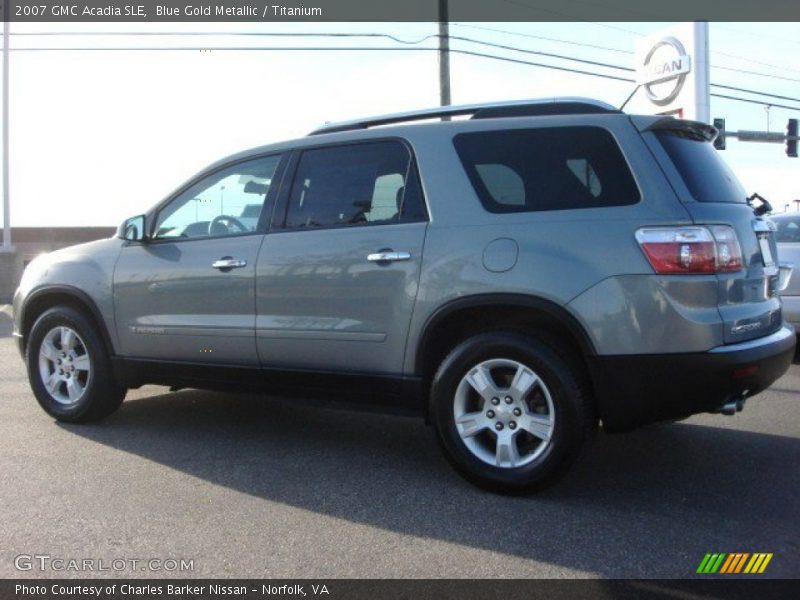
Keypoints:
pixel 707 176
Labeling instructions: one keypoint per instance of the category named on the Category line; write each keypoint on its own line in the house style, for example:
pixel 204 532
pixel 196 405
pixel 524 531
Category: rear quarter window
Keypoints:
pixel 558 168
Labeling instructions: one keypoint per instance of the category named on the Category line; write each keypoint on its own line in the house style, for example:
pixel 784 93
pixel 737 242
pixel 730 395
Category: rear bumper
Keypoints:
pixel 636 389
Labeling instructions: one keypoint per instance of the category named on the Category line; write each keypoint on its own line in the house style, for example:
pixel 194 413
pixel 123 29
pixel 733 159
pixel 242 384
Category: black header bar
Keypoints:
pixel 711 588
pixel 398 10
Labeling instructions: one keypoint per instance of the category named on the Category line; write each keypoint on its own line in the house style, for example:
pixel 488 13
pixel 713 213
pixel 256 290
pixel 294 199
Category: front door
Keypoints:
pixel 188 292
pixel 337 276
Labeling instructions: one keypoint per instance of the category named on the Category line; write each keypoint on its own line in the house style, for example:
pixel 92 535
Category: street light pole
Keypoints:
pixel 6 187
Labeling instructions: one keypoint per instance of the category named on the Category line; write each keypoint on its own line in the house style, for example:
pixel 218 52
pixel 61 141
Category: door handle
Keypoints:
pixel 385 256
pixel 226 263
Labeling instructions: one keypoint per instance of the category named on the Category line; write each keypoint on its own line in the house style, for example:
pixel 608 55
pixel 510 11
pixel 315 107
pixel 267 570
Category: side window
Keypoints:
pixel 556 168
pixel 228 202
pixel 357 184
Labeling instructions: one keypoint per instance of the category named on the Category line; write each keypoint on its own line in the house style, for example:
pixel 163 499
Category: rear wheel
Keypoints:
pixel 512 413
pixel 69 369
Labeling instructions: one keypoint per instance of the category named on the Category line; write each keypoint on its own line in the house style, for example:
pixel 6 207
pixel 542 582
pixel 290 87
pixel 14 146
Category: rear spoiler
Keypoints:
pixel 693 129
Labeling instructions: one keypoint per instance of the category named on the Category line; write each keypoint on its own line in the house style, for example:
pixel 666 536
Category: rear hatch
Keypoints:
pixel 711 193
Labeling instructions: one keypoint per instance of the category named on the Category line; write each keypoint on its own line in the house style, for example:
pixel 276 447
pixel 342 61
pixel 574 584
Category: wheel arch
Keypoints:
pixel 459 318
pixel 46 297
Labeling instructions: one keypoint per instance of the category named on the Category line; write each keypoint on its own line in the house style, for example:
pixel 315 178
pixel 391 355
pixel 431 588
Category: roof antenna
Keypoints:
pixel 633 93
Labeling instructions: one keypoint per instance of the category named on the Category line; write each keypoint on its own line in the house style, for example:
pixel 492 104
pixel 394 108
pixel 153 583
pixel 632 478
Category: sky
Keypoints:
pixel 98 136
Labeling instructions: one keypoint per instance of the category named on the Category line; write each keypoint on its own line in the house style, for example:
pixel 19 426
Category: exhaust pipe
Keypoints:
pixel 731 408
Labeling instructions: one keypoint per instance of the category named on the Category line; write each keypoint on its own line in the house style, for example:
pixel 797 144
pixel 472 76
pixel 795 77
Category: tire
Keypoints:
pixel 557 406
pixel 76 365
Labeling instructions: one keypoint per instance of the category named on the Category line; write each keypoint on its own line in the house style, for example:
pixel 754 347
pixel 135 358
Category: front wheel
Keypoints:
pixel 512 413
pixel 69 369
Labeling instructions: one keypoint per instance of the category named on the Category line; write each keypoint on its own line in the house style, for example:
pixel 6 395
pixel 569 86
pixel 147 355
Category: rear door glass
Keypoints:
pixel 362 184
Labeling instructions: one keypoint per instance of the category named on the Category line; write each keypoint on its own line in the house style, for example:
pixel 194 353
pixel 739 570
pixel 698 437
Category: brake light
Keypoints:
pixel 691 250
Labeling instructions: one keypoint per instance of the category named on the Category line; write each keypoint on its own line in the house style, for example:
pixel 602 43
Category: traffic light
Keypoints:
pixel 791 144
pixel 719 141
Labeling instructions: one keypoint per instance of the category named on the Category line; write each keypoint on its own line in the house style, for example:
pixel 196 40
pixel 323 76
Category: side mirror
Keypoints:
pixel 132 229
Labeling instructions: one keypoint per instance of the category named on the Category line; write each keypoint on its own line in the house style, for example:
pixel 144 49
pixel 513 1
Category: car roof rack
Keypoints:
pixel 491 110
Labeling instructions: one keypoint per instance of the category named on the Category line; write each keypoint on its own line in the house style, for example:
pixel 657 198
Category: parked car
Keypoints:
pixel 788 238
pixel 516 278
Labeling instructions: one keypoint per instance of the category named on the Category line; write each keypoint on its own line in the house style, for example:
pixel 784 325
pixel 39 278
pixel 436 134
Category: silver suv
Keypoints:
pixel 515 277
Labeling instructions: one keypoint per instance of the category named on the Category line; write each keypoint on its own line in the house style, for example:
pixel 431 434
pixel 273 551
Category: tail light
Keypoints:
pixel 692 250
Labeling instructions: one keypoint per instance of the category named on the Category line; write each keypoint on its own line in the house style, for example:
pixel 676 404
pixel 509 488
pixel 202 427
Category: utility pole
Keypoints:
pixel 6 198
pixel 444 55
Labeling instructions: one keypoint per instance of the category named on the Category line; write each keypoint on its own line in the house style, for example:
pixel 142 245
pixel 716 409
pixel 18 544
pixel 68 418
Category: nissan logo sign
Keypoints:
pixel 664 71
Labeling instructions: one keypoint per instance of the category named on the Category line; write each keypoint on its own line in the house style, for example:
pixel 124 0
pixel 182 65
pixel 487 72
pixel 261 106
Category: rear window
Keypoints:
pixel 523 170
pixel 707 176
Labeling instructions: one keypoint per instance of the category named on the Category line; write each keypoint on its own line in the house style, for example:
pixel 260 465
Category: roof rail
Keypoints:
pixel 490 110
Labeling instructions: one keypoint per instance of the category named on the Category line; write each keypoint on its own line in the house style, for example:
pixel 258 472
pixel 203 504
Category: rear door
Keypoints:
pixel 748 300
pixel 337 275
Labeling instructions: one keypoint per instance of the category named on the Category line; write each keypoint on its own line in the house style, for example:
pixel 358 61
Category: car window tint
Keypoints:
pixel 227 202
pixel 559 168
pixel 356 184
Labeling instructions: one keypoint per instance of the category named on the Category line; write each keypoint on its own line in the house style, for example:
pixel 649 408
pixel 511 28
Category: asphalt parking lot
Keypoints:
pixel 247 486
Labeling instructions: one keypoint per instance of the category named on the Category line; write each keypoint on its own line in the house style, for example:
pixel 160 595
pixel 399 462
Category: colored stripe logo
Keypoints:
pixel 735 562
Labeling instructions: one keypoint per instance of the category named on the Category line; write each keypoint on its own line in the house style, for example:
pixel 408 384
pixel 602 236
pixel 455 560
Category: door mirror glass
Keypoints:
pixel 132 229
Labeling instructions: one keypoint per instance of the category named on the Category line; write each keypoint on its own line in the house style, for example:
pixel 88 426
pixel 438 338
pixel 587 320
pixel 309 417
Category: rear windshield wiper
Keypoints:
pixel 763 206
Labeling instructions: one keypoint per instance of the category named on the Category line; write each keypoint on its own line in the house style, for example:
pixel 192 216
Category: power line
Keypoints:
pixel 612 66
pixel 395 39
pixel 759 102
pixel 738 89
pixel 758 62
pixel 628 31
pixel 759 35
pixel 746 72
pixel 631 53
pixel 300 34
pixel 544 38
pixel 334 34
pixel 626 69
pixel 525 62
pixel 316 48
pixel 569 16
pixel 540 53
pixel 415 49
pixel 614 77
